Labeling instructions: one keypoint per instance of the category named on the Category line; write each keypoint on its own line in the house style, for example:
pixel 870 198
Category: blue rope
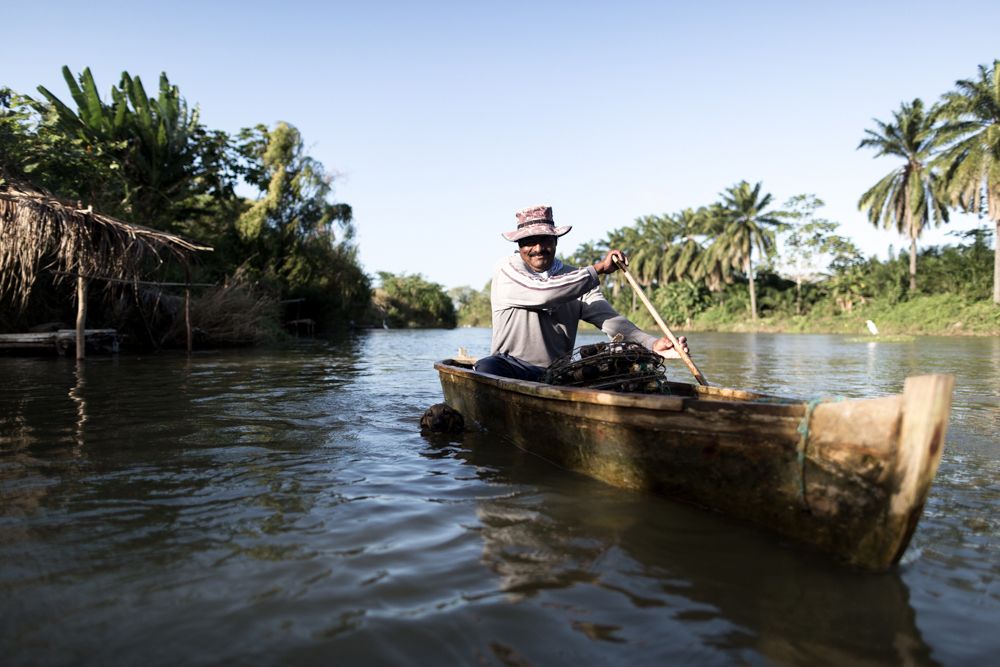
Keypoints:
pixel 803 445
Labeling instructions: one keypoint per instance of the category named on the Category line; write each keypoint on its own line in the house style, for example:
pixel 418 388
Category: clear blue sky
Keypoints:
pixel 443 118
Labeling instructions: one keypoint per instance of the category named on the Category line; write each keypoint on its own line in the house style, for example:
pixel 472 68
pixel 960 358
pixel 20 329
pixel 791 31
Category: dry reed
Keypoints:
pixel 39 232
pixel 234 314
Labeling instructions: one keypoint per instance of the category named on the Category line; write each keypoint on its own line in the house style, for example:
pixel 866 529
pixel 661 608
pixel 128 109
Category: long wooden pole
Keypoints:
pixel 659 320
pixel 81 316
pixel 138 282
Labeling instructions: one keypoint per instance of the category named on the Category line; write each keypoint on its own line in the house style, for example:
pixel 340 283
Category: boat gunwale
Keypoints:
pixel 714 394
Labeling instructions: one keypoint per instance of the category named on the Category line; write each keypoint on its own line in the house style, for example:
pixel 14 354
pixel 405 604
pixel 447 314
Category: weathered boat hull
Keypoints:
pixel 847 477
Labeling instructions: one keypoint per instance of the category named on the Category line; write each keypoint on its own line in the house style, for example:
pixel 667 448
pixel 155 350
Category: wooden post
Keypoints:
pixel 81 316
pixel 187 317
pixel 996 266
pixel 187 308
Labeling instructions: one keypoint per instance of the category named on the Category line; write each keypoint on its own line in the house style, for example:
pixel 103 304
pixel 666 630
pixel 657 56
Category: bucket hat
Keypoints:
pixel 535 221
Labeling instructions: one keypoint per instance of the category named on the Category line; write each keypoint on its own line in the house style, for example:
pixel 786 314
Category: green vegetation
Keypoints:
pixel 412 302
pixel 472 307
pixel 279 236
pixel 743 224
pixel 724 264
pixel 970 159
pixel 795 296
pixel 150 161
pixel 810 280
pixel 910 197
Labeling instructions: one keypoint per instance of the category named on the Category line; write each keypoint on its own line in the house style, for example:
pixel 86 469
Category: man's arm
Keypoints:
pixel 599 312
pixel 517 289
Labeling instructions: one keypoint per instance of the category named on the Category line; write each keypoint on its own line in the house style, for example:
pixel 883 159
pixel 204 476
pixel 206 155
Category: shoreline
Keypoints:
pixel 928 315
pixel 861 332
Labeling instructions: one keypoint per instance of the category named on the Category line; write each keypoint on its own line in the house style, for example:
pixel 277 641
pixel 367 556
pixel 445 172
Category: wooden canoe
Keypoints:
pixel 849 477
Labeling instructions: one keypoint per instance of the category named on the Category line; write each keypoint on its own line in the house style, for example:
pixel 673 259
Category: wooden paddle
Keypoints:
pixel 663 327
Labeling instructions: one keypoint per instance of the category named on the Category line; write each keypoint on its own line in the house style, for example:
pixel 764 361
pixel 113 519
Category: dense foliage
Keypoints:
pixel 267 208
pixel 150 161
pixel 811 280
pixel 472 307
pixel 413 302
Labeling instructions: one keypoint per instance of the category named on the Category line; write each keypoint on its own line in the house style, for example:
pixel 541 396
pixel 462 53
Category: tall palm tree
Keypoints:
pixel 746 225
pixel 971 162
pixel 910 197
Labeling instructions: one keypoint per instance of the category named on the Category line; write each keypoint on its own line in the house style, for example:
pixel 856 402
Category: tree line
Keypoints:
pixel 949 155
pixel 696 266
pixel 148 159
pixel 709 260
pixel 267 207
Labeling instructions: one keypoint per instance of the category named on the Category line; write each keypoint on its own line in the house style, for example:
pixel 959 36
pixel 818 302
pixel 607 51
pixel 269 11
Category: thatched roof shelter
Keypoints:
pixel 40 232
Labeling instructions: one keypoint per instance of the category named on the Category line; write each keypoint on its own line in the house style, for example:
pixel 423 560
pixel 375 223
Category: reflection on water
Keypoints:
pixel 651 567
pixel 280 507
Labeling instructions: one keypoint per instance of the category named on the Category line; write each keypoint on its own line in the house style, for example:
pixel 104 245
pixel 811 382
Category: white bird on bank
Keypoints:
pixel 871 327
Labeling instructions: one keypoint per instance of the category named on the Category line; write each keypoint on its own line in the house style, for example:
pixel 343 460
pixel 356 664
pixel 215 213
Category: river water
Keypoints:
pixel 280 507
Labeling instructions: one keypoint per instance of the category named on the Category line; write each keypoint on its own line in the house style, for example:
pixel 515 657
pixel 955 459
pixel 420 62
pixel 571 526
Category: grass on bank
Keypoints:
pixel 928 315
pixel 933 315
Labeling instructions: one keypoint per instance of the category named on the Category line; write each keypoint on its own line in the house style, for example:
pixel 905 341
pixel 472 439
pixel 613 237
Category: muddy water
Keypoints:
pixel 281 507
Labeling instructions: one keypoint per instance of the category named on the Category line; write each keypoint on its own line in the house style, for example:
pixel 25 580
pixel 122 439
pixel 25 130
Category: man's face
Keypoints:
pixel 538 252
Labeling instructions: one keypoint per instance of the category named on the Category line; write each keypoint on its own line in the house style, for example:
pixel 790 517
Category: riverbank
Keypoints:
pixel 936 315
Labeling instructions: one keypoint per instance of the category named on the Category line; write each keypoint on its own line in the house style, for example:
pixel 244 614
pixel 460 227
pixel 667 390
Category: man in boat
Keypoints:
pixel 538 302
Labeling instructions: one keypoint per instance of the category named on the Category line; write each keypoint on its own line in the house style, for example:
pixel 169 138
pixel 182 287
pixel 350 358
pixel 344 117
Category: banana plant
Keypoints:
pixel 155 146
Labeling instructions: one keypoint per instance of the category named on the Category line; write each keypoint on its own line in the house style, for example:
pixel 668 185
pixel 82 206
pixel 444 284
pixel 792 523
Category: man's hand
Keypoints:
pixel 607 265
pixel 665 348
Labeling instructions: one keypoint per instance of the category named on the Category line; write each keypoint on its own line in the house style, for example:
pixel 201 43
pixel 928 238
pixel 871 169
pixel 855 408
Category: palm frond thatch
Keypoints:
pixel 40 232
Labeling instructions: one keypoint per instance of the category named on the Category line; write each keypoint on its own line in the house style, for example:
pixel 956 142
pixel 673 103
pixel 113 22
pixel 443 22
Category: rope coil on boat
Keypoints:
pixel 613 366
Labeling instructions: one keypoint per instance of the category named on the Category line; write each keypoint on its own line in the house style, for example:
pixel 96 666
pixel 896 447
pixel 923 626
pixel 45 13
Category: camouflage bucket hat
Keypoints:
pixel 535 221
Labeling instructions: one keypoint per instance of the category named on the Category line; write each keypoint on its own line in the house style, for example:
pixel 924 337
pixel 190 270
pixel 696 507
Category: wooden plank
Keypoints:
pixel 56 340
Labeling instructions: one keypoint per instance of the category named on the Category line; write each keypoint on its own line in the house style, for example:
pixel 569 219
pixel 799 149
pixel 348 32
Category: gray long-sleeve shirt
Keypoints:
pixel 536 315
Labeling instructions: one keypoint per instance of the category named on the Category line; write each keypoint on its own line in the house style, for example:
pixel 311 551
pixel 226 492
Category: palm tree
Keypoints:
pixel 585 255
pixel 655 236
pixel 625 239
pixel 684 259
pixel 909 197
pixel 745 225
pixel 711 266
pixel 971 162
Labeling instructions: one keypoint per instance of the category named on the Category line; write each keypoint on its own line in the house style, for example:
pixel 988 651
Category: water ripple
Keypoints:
pixel 280 507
